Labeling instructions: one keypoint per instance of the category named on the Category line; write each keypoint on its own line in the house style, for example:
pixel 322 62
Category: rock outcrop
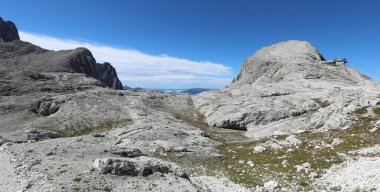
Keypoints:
pixel 139 166
pixel 287 87
pixel 8 31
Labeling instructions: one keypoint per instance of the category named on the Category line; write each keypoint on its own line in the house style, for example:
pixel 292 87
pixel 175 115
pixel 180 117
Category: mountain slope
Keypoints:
pixel 287 87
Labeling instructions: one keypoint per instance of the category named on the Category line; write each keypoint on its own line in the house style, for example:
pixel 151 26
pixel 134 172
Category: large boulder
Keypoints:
pixel 140 166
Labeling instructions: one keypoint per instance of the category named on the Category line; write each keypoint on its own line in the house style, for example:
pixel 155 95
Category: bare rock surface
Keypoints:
pixel 287 87
pixel 218 184
pixel 354 175
pixel 8 31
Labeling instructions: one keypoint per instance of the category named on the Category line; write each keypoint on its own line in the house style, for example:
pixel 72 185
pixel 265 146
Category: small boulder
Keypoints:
pixel 45 107
pixel 38 135
pixel 336 142
pixel 259 149
pixel 98 134
pixel 293 140
pixel 131 153
pixel 304 167
pixel 250 163
pixel 204 134
pixel 271 185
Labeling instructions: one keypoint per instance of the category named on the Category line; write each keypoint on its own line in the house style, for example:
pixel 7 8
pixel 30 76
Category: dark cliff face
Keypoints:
pixel 107 74
pixel 21 57
pixel 8 31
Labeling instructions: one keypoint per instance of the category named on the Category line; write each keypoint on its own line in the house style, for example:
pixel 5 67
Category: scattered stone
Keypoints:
pixel 304 167
pixel 131 153
pixel 336 142
pixel 271 185
pixel 285 163
pixel 250 163
pixel 293 140
pixel 259 149
pixel 38 135
pixel 313 175
pixel 204 134
pixel 373 129
pixel 98 134
pixel 241 161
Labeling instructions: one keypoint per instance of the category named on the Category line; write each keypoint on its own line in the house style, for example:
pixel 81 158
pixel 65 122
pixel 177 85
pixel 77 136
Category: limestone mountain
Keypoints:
pixel 292 61
pixel 287 87
pixel 8 31
pixel 25 61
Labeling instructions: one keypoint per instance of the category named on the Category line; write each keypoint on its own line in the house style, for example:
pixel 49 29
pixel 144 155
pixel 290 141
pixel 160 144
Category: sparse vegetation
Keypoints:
pixel 268 164
pixel 77 179
pixel 376 110
pixel 50 153
pixel 361 111
pixel 321 103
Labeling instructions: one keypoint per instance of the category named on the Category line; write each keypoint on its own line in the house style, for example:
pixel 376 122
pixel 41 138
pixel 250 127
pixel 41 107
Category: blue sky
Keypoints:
pixel 198 43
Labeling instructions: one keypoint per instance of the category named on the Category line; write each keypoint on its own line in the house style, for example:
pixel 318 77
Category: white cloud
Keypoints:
pixel 136 68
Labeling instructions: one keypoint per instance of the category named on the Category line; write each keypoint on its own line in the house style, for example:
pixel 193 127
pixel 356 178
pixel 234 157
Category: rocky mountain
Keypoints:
pixel 8 31
pixel 287 87
pixel 289 122
pixel 21 60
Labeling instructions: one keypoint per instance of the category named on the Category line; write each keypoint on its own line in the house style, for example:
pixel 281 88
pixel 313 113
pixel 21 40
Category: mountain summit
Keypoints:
pixel 288 87
pixel 292 61
pixel 8 31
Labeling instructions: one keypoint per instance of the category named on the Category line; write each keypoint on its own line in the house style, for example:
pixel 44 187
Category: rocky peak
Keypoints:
pixel 20 56
pixel 292 61
pixel 8 31
pixel 289 50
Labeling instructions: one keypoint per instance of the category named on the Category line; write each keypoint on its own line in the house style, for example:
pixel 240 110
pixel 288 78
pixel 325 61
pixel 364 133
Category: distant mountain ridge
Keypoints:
pixel 191 91
pixel 22 57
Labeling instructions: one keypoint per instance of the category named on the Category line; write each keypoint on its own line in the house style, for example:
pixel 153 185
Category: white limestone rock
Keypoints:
pixel 271 185
pixel 293 140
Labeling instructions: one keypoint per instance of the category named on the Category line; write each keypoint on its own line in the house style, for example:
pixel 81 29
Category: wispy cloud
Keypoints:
pixel 136 68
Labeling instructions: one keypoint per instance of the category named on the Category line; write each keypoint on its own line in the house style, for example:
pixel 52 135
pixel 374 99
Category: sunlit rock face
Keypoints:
pixel 288 87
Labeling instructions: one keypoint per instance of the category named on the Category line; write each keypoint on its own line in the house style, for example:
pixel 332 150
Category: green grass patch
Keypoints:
pixel 321 103
pixel 376 110
pixel 77 179
pixel 361 111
